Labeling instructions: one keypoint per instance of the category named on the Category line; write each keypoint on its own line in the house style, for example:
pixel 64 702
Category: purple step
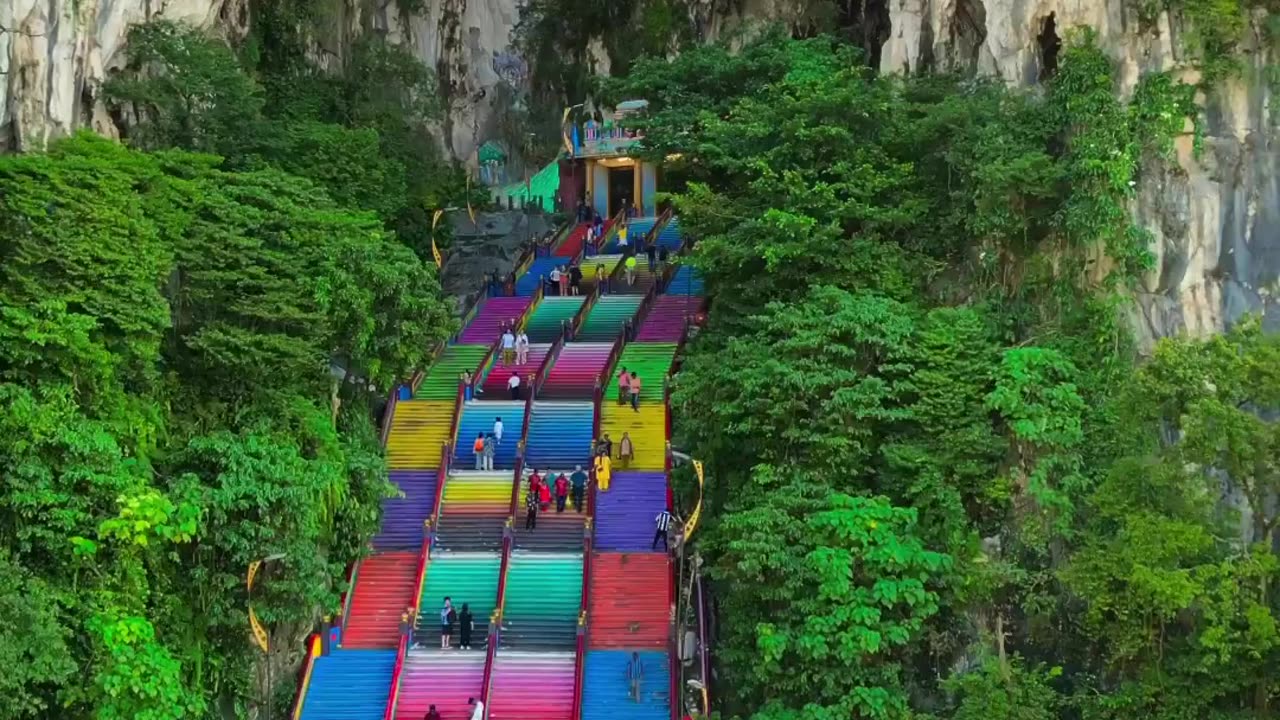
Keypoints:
pixel 402 517
pixel 625 513
pixel 664 321
pixel 486 325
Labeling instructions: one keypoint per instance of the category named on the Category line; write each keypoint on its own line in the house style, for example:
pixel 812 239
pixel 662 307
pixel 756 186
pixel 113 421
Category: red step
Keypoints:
pixel 384 589
pixel 630 600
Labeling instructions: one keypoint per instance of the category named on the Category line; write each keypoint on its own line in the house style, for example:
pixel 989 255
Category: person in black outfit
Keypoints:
pixel 432 714
pixel 531 509
pixel 465 625
pixel 651 250
pixel 575 279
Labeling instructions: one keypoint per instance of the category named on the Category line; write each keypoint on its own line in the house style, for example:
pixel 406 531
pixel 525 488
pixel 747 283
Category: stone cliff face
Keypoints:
pixel 1215 217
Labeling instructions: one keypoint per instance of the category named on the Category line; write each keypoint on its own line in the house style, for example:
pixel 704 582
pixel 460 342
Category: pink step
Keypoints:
pixel 495 383
pixel 575 371
pixel 444 678
pixel 486 325
pixel 664 322
pixel 531 686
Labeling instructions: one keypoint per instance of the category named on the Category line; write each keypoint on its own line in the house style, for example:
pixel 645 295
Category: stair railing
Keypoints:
pixel 304 675
pixel 588 546
pixel 650 298
pixel 575 324
pixel 658 222
pixel 402 649
pixel 508 544
pixel 673 647
pixel 389 413
pixel 344 601
pixel 548 360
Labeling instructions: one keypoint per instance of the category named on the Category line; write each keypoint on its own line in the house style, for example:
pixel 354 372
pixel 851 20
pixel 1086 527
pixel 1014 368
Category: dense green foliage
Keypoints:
pixel 362 134
pixel 168 416
pixel 941 483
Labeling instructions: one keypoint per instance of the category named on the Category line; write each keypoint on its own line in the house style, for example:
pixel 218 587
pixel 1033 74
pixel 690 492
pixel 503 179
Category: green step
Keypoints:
pixel 604 319
pixel 652 360
pixel 470 578
pixel 441 381
pixel 543 585
pixel 544 324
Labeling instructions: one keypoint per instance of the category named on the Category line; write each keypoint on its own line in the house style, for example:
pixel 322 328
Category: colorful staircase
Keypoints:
pixel 384 587
pixel 606 694
pixel 470 578
pixel 624 516
pixel 473 510
pixel 630 600
pixel 532 686
pixel 497 374
pixel 403 517
pixel 664 321
pixel 492 316
pixel 533 278
pixel 556 532
pixel 419 429
pixel 477 417
pixel 590 265
pixel 349 685
pixel 534 668
pixel 647 427
pixel 607 317
pixel 444 678
pixel 549 316
pixel 559 435
pixel 441 381
pixel 541 606
pixel 684 281
pixel 574 374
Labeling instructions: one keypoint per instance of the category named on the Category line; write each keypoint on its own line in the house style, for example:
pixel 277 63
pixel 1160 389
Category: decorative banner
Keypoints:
pixel 697 510
pixel 253 573
pixel 470 210
pixel 564 134
pixel 259 632
pixel 435 251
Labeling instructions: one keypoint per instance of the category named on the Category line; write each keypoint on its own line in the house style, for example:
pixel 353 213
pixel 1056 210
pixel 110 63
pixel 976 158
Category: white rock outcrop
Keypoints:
pixel 1215 217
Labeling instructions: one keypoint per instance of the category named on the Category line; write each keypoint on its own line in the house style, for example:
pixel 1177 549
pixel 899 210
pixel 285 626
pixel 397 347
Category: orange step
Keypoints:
pixel 384 589
pixel 630 606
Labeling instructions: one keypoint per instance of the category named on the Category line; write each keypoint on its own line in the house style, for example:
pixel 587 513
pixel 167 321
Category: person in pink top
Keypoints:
pixel 624 386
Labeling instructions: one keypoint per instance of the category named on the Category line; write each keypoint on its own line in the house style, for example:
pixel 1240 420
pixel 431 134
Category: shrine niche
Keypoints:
pixel 493 164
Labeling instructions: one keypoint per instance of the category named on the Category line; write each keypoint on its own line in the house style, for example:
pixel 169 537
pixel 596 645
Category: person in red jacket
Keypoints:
pixel 562 492
pixel 544 495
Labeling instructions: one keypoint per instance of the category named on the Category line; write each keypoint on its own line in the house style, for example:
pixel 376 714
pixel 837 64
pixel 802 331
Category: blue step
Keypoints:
pixel 606 694
pixel 349 685
pixel 477 417
pixel 527 284
pixel 685 281
pixel 559 435
pixel 669 236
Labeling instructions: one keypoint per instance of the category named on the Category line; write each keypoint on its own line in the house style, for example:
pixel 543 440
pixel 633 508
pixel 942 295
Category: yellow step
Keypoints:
pixel 477 491
pixel 648 429
pixel 419 429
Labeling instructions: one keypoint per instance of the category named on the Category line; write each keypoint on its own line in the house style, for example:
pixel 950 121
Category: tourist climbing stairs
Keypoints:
pixel 477 419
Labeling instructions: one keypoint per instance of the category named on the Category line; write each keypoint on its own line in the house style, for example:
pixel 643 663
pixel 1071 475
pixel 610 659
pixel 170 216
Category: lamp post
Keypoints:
pixel 260 635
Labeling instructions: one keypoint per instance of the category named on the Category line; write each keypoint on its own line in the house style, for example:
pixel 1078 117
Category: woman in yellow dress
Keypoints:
pixel 604 471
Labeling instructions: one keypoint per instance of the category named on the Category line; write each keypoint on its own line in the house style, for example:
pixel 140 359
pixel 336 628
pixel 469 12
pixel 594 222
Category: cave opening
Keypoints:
pixel 1049 45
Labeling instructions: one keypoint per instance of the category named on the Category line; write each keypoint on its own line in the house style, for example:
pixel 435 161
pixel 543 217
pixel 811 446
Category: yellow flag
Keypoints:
pixel 697 509
pixel 435 218
pixel 253 572
pixel 564 131
pixel 470 210
pixel 259 632
pixel 435 251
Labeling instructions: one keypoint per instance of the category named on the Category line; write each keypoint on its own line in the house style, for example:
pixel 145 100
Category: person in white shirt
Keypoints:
pixel 497 430
pixel 508 347
pixel 514 385
pixel 477 708
pixel 555 280
pixel 522 348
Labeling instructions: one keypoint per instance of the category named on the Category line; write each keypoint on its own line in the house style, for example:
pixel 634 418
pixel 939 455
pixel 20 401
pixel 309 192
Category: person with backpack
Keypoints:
pixel 579 481
pixel 562 492
pixel 478 448
pixel 490 451
pixel 447 618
